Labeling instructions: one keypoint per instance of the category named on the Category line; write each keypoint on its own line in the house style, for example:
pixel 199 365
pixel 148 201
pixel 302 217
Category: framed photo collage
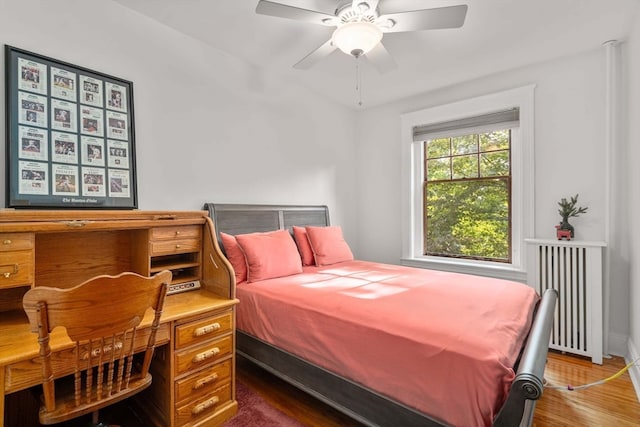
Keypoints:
pixel 70 136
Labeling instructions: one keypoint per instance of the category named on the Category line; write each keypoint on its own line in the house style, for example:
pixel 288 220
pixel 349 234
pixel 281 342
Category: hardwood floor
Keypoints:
pixel 614 403
pixel 288 399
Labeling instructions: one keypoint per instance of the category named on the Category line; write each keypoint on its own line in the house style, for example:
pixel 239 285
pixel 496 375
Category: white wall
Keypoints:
pixel 633 176
pixel 569 159
pixel 208 126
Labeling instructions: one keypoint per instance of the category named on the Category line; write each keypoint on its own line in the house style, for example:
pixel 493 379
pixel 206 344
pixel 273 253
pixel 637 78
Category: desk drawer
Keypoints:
pixel 202 330
pixel 203 382
pixel 180 232
pixel 203 355
pixel 16 268
pixel 177 246
pixel 16 241
pixel 204 407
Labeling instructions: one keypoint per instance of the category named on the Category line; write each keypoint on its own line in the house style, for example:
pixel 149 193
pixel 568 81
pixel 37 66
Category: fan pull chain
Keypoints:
pixel 358 81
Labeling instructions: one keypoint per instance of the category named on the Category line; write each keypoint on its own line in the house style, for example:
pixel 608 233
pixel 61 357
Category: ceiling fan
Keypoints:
pixel 361 25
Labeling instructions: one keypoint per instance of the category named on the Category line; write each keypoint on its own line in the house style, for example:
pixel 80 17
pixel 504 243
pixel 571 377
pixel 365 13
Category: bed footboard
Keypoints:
pixel 528 385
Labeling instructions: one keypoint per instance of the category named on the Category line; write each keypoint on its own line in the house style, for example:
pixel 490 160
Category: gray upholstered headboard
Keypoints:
pixel 242 218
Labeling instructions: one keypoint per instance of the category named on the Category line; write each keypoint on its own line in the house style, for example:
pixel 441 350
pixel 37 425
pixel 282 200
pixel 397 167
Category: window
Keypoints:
pixel 469 165
pixel 467 186
pixel 467 193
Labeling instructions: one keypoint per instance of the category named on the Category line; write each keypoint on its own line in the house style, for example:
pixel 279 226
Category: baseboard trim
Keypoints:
pixel 618 344
pixel 634 371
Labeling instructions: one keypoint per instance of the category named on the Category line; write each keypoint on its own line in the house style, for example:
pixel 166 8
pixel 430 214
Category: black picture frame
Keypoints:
pixel 70 136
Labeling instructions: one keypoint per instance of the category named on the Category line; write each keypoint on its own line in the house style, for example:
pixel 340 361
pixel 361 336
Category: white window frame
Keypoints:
pixel 522 184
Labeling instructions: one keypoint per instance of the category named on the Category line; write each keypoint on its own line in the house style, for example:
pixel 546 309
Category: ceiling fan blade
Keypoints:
pixel 316 56
pixel 279 10
pixel 426 19
pixel 381 59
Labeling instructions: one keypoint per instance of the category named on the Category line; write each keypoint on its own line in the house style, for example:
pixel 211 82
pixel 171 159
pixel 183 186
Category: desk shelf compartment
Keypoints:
pixel 185 267
pixel 176 248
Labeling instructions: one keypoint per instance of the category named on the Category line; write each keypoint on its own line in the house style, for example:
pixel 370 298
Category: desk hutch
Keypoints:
pixel 194 364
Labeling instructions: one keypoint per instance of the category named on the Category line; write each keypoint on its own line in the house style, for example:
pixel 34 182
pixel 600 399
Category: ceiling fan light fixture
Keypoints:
pixel 356 38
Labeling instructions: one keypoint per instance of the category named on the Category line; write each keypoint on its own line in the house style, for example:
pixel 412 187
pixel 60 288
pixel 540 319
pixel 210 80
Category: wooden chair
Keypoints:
pixel 101 316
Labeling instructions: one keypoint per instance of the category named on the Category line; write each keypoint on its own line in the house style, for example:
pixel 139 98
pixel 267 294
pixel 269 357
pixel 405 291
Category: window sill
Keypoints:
pixel 497 270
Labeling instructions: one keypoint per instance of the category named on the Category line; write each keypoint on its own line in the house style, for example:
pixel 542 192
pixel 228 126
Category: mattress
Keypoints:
pixel 442 343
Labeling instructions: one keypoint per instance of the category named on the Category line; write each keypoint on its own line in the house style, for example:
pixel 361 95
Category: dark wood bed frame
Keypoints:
pixel 363 404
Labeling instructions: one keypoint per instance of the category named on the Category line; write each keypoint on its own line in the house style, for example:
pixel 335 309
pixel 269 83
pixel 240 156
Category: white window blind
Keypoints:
pixel 506 119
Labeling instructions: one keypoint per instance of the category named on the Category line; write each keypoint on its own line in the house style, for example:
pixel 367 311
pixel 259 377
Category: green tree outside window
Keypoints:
pixel 468 196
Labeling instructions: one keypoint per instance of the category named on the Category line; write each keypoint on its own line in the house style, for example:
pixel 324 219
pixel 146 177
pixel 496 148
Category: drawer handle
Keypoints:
pixel 7 242
pixel 205 405
pixel 206 355
pixel 8 274
pixel 206 329
pixel 204 381
pixel 177 246
pixel 177 233
pixel 76 223
pixel 165 217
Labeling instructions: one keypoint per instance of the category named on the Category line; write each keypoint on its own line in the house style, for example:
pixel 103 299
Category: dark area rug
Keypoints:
pixel 254 411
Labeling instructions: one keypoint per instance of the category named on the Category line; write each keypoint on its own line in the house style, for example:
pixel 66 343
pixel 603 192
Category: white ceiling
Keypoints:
pixel 497 35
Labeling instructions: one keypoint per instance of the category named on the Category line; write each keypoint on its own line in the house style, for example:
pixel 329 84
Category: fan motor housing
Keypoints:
pixel 346 13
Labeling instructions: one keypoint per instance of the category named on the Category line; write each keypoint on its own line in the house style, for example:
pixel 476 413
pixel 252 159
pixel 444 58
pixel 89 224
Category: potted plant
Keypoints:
pixel 567 210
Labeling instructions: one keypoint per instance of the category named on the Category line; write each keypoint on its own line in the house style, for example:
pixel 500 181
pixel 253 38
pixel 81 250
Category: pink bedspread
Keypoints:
pixel 441 343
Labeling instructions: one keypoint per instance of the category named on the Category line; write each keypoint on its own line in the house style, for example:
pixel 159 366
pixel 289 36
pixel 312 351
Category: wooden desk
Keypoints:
pixel 194 372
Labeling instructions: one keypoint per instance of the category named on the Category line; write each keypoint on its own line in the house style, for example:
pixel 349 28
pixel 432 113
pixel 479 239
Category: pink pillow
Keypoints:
pixel 235 256
pixel 300 235
pixel 328 245
pixel 269 255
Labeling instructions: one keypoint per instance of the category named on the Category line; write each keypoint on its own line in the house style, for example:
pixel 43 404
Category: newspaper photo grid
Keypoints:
pixel 70 134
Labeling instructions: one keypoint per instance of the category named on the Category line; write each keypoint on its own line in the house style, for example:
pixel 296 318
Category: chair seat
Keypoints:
pixel 65 402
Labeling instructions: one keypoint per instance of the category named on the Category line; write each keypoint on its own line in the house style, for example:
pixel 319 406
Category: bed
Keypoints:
pixel 334 331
